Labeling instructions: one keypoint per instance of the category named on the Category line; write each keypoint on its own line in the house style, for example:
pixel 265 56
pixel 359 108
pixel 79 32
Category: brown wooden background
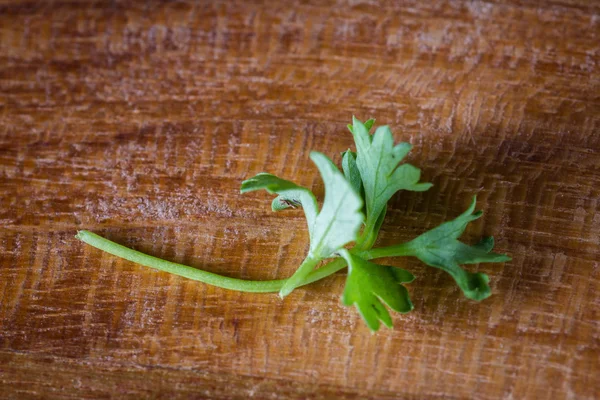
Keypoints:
pixel 139 120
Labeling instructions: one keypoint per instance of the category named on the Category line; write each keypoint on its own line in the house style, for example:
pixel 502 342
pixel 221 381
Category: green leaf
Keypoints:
pixel 377 161
pixel 369 286
pixel 337 224
pixel 368 124
pixel 340 218
pixel 351 171
pixel 441 248
pixel 290 195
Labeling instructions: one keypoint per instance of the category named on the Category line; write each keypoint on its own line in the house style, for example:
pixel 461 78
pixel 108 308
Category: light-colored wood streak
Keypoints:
pixel 139 120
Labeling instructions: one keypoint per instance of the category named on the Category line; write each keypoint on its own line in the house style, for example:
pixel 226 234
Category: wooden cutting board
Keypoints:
pixel 139 120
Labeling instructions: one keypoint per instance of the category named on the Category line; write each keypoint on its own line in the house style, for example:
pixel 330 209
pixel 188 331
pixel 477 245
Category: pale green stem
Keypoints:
pixel 232 283
pixel 178 269
pixel 326 270
pixel 398 250
pixel 367 238
pixel 307 266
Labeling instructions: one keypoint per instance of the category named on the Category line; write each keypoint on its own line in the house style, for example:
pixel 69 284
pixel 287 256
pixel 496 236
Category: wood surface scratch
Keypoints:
pixel 139 120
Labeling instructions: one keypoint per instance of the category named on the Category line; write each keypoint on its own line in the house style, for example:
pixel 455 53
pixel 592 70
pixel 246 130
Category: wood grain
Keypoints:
pixel 139 120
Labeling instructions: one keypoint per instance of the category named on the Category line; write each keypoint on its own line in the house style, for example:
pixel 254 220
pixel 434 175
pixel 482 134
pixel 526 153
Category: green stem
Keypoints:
pixel 210 278
pixel 326 270
pixel 241 285
pixel 371 231
pixel 307 266
pixel 178 269
pixel 366 239
pixel 398 250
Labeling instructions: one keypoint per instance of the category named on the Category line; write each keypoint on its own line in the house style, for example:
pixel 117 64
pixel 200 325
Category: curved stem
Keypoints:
pixel 367 239
pixel 298 278
pixel 326 270
pixel 178 269
pixel 225 282
pixel 210 278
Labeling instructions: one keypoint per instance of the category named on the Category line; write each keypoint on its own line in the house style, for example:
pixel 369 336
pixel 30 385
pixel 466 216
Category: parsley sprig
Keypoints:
pixel 353 211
